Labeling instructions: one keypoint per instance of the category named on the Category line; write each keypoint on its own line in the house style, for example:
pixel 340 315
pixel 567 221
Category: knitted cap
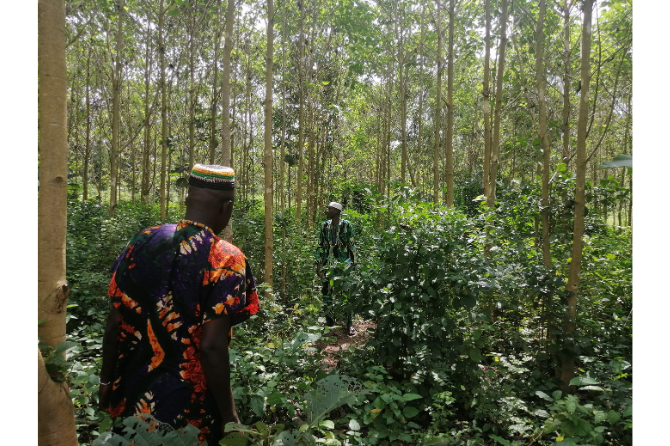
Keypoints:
pixel 212 176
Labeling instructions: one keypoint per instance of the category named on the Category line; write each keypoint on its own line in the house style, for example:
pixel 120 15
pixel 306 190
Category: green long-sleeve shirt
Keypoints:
pixel 336 243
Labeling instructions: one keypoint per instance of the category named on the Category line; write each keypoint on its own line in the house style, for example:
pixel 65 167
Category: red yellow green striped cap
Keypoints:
pixel 212 176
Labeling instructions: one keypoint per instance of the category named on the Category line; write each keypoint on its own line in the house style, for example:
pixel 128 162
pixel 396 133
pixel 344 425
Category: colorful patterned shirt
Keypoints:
pixel 336 243
pixel 167 283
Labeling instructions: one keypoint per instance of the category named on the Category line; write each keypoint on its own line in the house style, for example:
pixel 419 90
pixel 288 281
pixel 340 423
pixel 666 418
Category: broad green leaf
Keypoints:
pixel 543 395
pixel 354 425
pixel 613 416
pixel 410 411
pixel 411 396
pixel 475 354
pixel 327 424
pixel 583 381
pixel 500 440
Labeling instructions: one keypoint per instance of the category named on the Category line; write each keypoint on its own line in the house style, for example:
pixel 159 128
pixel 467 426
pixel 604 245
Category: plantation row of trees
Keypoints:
pixel 326 93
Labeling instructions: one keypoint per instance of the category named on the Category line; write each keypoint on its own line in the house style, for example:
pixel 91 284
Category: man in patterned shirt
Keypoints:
pixel 336 244
pixel 176 291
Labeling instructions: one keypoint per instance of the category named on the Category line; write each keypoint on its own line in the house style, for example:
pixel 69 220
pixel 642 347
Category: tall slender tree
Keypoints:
pixel 55 413
pixel 567 366
pixel 117 80
pixel 267 157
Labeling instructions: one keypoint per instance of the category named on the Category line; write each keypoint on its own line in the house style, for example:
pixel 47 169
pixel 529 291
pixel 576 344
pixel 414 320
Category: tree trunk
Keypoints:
pixel 163 87
pixel 542 132
pixel 55 420
pixel 438 102
pixel 301 114
pixel 567 366
pixel 566 81
pixel 215 83
pixel 450 110
pixel 225 87
pixel 116 114
pixel 486 94
pixel 267 274
pixel 192 97
pixel 419 142
pixel 495 145
pixel 87 153
pixel 146 152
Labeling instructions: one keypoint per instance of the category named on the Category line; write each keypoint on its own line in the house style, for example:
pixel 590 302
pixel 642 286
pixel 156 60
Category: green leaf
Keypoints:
pixel 583 381
pixel 562 167
pixel 410 411
pixel 618 161
pixel 354 425
pixel 475 354
pixel 628 412
pixel 543 395
pixel 327 424
pixel 613 416
pixel 411 397
pixel 500 440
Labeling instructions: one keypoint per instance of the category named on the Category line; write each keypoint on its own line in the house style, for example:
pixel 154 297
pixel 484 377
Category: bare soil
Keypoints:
pixel 332 349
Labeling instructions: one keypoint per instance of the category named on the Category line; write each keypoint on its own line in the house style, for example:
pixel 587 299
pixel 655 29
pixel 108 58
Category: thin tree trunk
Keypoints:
pixel 116 113
pixel 450 110
pixel 164 123
pixel 419 142
pixel 566 81
pixel 495 146
pixel 486 94
pixel 438 108
pixel 147 117
pixel 267 274
pixel 192 99
pixel 301 113
pixel 55 415
pixel 87 153
pixel 567 366
pixel 542 132
pixel 225 87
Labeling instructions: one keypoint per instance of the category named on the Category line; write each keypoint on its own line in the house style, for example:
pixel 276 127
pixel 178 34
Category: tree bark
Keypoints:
pixel 542 132
pixel 301 113
pixel 438 102
pixel 87 152
pixel 450 110
pixel 567 366
pixel 116 113
pixel 164 123
pixel 486 94
pixel 267 274
pixel 146 152
pixel 566 81
pixel 226 151
pixel 55 421
pixel 495 145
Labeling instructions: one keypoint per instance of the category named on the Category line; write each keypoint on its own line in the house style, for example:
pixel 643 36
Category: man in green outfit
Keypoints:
pixel 336 244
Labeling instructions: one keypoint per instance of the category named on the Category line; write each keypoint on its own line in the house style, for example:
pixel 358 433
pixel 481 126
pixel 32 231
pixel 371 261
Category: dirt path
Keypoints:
pixel 332 350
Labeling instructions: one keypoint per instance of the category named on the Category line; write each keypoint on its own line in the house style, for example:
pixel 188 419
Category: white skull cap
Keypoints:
pixel 335 205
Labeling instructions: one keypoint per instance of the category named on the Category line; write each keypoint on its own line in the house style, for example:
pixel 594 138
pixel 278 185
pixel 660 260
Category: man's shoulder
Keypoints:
pixel 346 222
pixel 227 248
